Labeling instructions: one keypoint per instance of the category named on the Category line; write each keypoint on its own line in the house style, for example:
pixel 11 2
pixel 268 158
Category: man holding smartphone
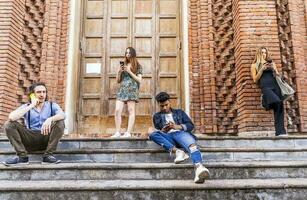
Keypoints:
pixel 44 122
pixel 174 128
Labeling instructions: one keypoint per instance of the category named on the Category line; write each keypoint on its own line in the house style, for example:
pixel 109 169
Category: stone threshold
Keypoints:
pixel 203 150
pixel 230 164
pixel 4 138
pixel 103 185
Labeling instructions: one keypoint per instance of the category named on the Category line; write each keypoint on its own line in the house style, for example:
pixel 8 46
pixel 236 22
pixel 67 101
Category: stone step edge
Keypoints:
pixel 204 150
pixel 199 138
pixel 99 185
pixel 113 166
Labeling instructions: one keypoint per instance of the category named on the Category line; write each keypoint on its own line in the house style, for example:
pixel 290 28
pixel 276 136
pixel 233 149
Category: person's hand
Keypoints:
pixel 121 69
pixel 166 128
pixel 264 66
pixel 175 126
pixel 46 127
pixel 269 65
pixel 34 102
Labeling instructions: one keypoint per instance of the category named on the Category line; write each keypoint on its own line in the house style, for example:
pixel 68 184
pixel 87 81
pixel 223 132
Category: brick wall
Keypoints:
pixel 288 63
pixel 223 65
pixel 11 23
pixel 199 54
pixel 33 47
pixel 54 53
pixel 255 26
pixel 224 36
pixel 297 22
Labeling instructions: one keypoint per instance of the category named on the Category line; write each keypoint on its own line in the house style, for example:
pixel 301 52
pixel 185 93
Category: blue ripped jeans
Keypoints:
pixel 179 139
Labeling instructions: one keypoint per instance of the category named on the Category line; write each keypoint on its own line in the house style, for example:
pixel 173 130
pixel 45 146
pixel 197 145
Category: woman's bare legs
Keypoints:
pixel 119 105
pixel 131 110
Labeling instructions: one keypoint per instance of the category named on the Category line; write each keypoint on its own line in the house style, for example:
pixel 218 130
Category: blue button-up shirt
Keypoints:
pixel 37 118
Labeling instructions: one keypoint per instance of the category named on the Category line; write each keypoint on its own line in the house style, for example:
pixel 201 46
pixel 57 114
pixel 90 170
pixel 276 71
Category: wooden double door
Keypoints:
pixel 152 27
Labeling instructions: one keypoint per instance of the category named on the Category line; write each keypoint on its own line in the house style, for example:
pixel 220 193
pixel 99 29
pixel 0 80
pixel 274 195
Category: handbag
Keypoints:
pixel 286 90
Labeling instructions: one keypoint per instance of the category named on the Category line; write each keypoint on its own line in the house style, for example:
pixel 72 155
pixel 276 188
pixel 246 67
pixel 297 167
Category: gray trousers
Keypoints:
pixel 25 140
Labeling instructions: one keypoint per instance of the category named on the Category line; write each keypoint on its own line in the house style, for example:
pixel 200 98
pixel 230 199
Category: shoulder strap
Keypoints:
pixel 29 125
pixel 29 117
pixel 51 110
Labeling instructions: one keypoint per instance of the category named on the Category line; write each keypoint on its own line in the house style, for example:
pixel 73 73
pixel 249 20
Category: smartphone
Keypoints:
pixel 121 63
pixel 32 96
pixel 269 61
pixel 166 125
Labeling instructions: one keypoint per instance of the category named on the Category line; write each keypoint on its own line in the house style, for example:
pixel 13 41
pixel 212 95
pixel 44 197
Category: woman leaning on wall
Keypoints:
pixel 264 73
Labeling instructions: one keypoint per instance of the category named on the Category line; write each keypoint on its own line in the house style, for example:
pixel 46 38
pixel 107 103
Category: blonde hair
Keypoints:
pixel 258 60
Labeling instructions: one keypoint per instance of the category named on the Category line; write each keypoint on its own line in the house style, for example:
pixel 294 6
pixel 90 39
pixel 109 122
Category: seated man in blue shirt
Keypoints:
pixel 173 132
pixel 44 122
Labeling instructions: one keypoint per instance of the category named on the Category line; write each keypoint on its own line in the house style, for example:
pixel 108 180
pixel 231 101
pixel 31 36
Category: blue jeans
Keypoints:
pixel 179 139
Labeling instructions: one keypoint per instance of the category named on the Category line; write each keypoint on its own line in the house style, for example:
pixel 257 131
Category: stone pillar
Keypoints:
pixel 200 106
pixel 54 48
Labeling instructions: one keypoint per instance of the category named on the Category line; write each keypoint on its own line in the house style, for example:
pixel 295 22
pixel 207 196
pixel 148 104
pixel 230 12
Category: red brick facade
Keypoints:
pixel 33 45
pixel 11 23
pixel 223 37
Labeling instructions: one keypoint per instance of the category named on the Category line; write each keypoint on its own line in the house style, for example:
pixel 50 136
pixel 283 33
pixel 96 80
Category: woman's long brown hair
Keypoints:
pixel 133 60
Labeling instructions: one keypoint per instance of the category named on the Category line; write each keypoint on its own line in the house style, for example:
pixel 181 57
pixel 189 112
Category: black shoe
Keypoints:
pixel 50 160
pixel 16 161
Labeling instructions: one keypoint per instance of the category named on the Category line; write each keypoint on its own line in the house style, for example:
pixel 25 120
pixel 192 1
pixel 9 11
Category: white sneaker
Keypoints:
pixel 201 173
pixel 126 135
pixel 180 156
pixel 116 135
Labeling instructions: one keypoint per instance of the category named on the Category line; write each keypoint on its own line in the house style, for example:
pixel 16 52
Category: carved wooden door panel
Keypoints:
pixel 108 28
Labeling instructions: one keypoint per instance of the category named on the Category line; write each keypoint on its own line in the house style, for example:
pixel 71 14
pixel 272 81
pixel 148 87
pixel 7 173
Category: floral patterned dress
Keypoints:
pixel 129 88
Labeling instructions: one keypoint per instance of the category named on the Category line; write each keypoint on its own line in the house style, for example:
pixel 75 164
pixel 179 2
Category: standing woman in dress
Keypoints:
pixel 263 72
pixel 129 77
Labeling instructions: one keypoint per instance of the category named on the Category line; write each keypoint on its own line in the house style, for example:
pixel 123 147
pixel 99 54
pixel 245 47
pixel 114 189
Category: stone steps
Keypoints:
pixel 142 143
pixel 230 189
pixel 153 171
pixel 143 150
pixel 159 155
pixel 241 168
